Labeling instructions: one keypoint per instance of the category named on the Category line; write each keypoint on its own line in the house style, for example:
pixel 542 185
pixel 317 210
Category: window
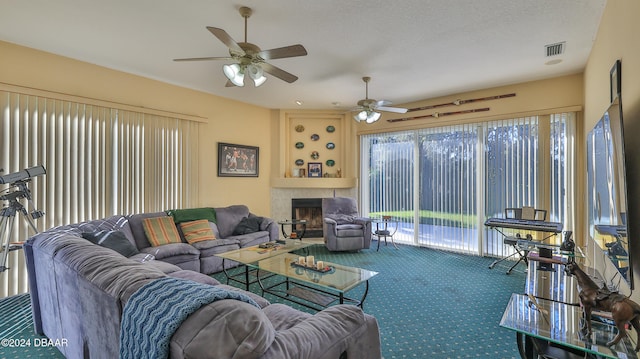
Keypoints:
pixel 443 183
pixel 100 161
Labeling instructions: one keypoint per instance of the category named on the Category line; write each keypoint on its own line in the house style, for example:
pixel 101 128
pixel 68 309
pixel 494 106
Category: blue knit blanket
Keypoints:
pixel 156 310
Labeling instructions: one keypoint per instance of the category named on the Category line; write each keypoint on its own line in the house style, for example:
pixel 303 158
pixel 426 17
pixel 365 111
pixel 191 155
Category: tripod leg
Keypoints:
pixel 6 222
pixel 26 216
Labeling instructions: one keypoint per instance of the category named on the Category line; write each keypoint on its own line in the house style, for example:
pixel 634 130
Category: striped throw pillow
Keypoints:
pixel 161 230
pixel 197 231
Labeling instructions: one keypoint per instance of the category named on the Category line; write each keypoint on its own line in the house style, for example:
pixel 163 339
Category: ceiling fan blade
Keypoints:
pixel 392 109
pixel 226 39
pixel 383 103
pixel 204 58
pixel 279 73
pixel 283 52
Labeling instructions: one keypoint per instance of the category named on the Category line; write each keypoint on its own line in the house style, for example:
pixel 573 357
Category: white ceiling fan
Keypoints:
pixel 367 109
pixel 249 59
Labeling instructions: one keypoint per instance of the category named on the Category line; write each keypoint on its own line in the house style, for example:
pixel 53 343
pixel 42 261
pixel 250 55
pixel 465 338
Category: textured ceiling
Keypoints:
pixel 412 49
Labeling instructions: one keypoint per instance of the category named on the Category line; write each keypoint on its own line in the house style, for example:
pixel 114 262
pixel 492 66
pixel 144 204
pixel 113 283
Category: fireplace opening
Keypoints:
pixel 309 209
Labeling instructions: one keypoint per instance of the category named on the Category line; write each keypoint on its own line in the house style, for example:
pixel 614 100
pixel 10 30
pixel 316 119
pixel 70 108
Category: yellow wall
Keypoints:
pixel 617 38
pixel 532 98
pixel 227 120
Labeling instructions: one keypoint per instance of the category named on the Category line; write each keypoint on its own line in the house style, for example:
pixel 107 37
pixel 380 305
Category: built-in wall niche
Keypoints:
pixel 316 140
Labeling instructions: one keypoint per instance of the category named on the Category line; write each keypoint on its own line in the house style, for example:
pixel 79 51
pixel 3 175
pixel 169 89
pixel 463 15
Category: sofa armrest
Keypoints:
pixel 328 334
pixel 268 225
pixel 272 227
pixel 330 228
pixel 366 224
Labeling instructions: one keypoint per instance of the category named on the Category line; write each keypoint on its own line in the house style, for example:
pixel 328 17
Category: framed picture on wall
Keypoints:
pixel 314 169
pixel 615 80
pixel 237 160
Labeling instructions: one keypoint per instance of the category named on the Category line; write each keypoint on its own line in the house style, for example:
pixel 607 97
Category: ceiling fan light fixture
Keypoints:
pixel 372 117
pixel 257 74
pixel 234 73
pixel 360 116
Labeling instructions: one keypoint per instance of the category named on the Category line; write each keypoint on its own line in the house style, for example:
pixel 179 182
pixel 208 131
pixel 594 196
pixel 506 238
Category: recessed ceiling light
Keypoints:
pixel 299 103
pixel 553 62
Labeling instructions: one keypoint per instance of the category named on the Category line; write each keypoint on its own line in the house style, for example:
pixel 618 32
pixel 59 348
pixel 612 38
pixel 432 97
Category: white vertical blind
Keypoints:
pixel 443 183
pixel 100 161
pixel 512 162
pixel 447 187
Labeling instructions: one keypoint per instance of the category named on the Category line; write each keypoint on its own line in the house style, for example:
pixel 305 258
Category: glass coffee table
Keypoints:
pixel 253 254
pixel 309 287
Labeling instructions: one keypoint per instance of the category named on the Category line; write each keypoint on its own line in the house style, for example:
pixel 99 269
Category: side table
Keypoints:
pixel 383 230
pixel 294 223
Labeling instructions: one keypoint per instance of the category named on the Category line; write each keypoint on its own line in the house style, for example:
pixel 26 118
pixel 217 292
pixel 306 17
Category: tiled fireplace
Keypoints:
pixel 282 198
pixel 309 209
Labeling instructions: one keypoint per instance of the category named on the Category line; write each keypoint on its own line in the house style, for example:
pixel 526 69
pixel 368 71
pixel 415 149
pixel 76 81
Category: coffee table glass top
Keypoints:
pixel 340 278
pixel 253 254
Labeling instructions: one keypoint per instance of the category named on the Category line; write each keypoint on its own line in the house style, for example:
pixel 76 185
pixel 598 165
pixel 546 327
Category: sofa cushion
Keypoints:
pixel 193 214
pixel 224 329
pixel 248 225
pixel 251 239
pixel 135 223
pixel 340 218
pixel 115 240
pixel 229 217
pixel 197 231
pixel 284 317
pixel 160 230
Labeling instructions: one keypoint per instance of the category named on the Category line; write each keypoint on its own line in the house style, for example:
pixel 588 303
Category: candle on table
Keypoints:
pixel 320 265
pixel 310 261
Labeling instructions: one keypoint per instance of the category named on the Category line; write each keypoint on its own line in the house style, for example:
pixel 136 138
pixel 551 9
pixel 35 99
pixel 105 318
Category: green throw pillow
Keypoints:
pixel 193 214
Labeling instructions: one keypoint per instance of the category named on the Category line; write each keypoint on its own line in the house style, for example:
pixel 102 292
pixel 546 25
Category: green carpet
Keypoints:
pixel 428 303
pixel 17 339
pixel 432 304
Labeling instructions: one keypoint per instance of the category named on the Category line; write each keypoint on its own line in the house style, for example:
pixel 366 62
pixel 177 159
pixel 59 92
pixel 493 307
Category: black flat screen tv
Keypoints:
pixel 607 191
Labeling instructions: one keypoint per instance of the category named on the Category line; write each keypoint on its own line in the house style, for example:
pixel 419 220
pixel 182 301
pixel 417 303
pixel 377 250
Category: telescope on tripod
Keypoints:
pixel 16 191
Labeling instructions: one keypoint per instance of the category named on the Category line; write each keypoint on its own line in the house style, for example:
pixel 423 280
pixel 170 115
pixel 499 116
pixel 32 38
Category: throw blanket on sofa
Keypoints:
pixel 156 310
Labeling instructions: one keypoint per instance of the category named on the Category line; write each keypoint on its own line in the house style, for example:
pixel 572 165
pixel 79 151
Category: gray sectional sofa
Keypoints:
pixel 200 257
pixel 79 292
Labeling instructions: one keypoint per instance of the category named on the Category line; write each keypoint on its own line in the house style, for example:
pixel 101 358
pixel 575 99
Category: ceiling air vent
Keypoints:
pixel 555 49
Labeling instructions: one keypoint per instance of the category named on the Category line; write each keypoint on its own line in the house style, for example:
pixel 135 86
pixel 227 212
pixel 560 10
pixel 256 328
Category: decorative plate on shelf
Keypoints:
pixel 299 162
pixel 330 163
pixel 330 129
pixel 315 137
pixel 299 128
pixel 315 155
pixel 299 145
pixel 331 145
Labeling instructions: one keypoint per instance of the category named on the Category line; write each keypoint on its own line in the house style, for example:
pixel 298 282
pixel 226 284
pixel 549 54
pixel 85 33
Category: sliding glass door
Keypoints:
pixel 441 184
pixel 448 187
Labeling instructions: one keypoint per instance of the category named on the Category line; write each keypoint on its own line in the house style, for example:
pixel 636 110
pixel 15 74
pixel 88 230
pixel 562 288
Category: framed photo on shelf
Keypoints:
pixel 237 160
pixel 614 80
pixel 314 169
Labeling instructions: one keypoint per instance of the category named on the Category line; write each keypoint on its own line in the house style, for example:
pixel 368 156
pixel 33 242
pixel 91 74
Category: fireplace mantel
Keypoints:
pixel 314 182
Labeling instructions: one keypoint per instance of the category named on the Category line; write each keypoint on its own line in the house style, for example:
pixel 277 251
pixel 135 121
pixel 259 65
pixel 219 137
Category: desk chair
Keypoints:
pixel 525 213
